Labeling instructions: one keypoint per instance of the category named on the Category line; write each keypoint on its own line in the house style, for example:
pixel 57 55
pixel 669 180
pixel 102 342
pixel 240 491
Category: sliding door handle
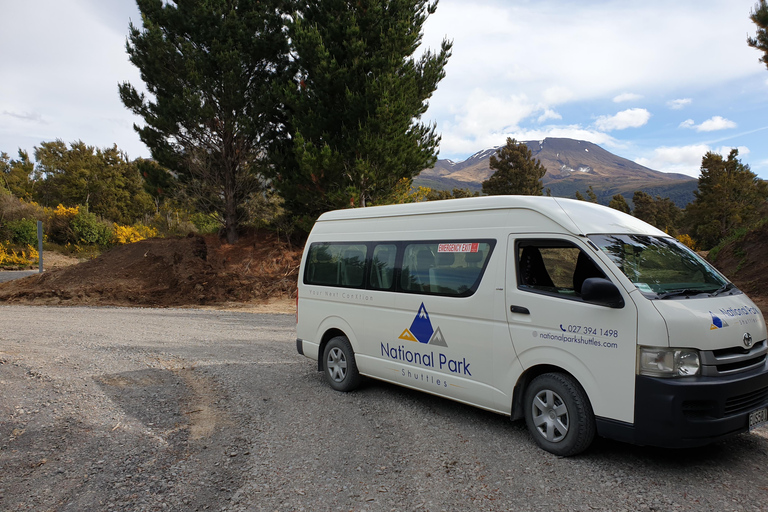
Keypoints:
pixel 519 309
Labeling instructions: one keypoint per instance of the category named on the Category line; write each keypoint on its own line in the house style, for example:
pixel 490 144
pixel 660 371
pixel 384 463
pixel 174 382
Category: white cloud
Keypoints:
pixel 483 112
pixel 549 114
pixel 685 159
pixel 710 125
pixel 557 95
pixel 679 159
pixel 714 124
pixel 627 96
pixel 679 104
pixel 589 49
pixel 631 118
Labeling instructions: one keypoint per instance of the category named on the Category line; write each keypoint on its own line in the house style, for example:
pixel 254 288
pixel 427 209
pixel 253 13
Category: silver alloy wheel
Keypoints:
pixel 336 364
pixel 550 415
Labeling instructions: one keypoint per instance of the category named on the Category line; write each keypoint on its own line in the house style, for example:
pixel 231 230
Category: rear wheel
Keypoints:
pixel 559 415
pixel 339 363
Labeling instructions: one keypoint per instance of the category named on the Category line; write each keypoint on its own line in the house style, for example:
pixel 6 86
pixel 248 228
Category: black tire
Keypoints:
pixel 559 415
pixel 339 364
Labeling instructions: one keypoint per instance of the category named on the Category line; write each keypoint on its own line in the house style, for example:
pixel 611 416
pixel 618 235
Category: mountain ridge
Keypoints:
pixel 572 165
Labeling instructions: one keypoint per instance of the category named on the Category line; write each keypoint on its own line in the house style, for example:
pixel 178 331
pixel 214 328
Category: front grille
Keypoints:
pixel 716 363
pixel 741 365
pixel 731 351
pixel 746 402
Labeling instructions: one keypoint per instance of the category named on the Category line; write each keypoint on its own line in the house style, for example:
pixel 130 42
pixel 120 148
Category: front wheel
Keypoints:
pixel 559 415
pixel 339 363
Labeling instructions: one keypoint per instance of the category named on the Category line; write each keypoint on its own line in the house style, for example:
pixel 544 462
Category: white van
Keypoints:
pixel 581 319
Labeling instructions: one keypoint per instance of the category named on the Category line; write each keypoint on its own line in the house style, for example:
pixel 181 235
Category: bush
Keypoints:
pixel 686 239
pixel 13 260
pixel 205 223
pixel 58 227
pixel 87 228
pixel 130 234
pixel 12 208
pixel 22 232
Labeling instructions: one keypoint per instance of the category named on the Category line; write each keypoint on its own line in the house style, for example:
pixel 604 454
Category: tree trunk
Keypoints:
pixel 230 206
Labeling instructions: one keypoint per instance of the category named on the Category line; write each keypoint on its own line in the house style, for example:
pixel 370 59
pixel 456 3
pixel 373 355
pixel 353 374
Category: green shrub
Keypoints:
pixel 22 232
pixel 87 228
pixel 205 222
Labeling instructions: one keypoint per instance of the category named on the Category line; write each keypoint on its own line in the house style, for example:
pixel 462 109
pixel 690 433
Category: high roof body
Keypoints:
pixel 576 217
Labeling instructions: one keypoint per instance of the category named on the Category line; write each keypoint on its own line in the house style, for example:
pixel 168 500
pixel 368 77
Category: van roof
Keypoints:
pixel 577 217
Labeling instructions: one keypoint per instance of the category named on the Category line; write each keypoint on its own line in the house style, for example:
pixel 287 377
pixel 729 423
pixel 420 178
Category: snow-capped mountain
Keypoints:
pixel 572 165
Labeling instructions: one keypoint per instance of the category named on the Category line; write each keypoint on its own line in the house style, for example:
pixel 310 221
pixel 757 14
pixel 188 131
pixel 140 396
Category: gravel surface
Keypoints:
pixel 163 409
pixel 10 275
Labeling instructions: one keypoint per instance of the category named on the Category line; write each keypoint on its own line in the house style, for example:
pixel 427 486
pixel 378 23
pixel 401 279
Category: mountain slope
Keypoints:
pixel 572 165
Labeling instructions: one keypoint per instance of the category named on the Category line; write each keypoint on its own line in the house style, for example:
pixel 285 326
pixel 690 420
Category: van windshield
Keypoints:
pixel 662 267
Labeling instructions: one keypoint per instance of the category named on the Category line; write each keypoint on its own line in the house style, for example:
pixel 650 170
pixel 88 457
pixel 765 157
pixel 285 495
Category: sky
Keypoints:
pixel 658 82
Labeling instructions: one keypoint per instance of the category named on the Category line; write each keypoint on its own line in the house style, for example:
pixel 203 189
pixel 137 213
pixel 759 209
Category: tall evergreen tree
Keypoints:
pixel 661 212
pixel 591 195
pixel 618 202
pixel 158 182
pixel 645 207
pixel 212 68
pixel 517 172
pixel 353 117
pixel 729 196
pixel 760 18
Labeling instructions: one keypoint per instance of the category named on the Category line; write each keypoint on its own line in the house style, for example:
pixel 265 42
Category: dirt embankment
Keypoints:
pixel 745 262
pixel 258 274
pixel 197 271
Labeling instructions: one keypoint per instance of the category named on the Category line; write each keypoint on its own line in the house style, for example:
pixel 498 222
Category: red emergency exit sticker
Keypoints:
pixel 457 247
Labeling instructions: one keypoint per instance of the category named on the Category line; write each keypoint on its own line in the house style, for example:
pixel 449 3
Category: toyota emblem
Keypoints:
pixel 747 340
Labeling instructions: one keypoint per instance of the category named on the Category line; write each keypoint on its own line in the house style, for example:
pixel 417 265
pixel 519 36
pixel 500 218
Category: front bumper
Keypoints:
pixel 689 412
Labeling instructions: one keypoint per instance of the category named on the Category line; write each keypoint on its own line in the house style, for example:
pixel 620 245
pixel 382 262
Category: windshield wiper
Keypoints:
pixel 689 291
pixel 679 293
pixel 726 287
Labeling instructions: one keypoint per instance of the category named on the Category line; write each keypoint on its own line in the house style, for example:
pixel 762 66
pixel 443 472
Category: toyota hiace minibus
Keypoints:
pixel 578 318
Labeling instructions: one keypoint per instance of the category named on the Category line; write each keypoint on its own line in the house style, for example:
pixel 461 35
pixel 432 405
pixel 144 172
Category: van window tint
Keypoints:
pixel 444 268
pixel 336 264
pixel 553 266
pixel 383 267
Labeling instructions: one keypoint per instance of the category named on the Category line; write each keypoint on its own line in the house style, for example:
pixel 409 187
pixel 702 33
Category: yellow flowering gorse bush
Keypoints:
pixel 687 240
pixel 63 211
pixel 23 258
pixel 129 234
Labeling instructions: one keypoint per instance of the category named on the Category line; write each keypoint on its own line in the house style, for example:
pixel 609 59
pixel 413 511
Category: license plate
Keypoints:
pixel 758 418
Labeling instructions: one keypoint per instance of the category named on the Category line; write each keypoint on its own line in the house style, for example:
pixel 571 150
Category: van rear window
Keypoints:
pixel 336 265
pixel 445 267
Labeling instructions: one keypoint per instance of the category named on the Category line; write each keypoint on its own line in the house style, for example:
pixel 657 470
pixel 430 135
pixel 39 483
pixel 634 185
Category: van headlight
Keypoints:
pixel 669 362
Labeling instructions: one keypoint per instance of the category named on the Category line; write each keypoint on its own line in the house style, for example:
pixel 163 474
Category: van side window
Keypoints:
pixel 383 267
pixel 553 266
pixel 451 269
pixel 336 265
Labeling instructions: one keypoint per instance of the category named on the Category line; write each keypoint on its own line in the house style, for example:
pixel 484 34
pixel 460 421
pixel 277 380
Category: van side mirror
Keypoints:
pixel 601 291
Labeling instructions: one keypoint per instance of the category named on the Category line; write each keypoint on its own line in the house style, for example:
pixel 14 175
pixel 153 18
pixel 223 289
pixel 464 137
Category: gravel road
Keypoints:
pixel 163 409
pixel 10 275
